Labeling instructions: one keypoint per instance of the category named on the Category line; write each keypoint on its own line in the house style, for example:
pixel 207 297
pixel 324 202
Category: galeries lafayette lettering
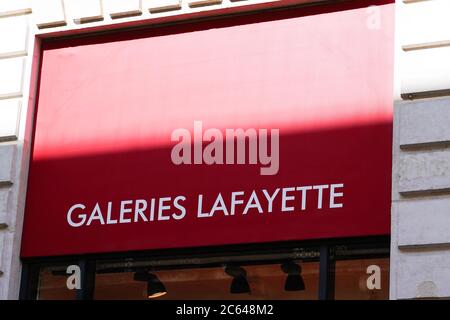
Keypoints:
pixel 291 200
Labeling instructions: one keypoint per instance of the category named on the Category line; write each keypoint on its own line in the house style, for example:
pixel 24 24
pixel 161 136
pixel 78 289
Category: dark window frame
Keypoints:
pixel 329 251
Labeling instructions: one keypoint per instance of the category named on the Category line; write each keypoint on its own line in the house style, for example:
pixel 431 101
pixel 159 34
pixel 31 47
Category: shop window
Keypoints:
pixel 52 284
pixel 350 271
pixel 362 279
pixel 361 274
pixel 291 280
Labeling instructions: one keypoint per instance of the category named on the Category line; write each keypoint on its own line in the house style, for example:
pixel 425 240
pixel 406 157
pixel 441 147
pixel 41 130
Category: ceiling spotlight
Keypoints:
pixel 155 288
pixel 294 280
pixel 239 283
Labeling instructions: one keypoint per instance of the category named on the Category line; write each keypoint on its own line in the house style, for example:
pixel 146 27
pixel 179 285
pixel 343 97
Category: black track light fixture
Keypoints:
pixel 155 288
pixel 239 284
pixel 294 280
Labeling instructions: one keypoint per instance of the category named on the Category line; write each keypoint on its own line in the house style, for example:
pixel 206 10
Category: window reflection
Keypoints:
pixel 280 275
pixel 53 284
pixel 265 281
pixel 352 276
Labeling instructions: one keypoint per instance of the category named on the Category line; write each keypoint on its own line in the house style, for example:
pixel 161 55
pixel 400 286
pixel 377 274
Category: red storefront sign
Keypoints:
pixel 135 137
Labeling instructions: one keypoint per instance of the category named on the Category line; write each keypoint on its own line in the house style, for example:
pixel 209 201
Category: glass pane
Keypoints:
pixel 53 284
pixel 353 275
pixel 265 281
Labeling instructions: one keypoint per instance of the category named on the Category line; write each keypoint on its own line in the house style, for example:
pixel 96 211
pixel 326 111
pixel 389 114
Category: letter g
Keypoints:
pixel 81 216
